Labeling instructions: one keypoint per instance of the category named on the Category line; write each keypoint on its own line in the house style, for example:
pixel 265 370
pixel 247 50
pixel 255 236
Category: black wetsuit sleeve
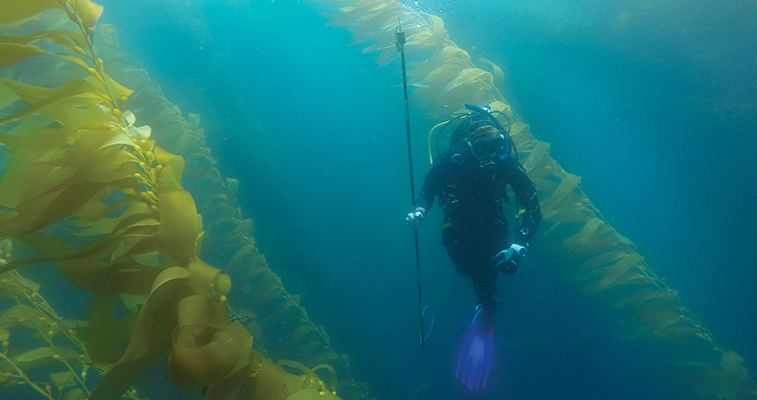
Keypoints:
pixel 525 192
pixel 431 187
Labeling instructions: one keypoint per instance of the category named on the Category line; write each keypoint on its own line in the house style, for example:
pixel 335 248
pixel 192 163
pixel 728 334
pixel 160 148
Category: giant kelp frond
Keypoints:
pixel 79 165
pixel 442 75
pixel 60 349
pixel 605 265
pixel 280 317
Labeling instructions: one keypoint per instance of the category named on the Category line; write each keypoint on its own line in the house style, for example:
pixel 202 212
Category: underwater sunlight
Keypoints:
pixel 209 200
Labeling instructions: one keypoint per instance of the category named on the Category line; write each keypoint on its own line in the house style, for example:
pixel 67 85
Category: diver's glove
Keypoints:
pixel 415 218
pixel 508 260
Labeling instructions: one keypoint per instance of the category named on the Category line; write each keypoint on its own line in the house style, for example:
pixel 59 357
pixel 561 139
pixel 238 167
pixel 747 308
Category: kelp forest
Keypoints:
pixel 110 186
pixel 86 188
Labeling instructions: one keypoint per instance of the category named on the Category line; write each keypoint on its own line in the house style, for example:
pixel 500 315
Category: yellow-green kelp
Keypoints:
pixel 604 264
pixel 87 190
pixel 227 240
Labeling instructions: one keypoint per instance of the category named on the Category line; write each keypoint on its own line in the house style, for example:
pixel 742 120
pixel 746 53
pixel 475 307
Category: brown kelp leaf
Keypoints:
pixel 22 315
pixel 75 394
pixel 202 355
pixel 466 77
pixel 655 316
pixel 85 270
pixel 102 335
pixel 152 335
pixel 44 356
pixel 629 278
pixel 599 261
pixel 88 12
pixel 22 181
pixel 134 278
pixel 684 337
pixel 205 279
pixel 11 53
pixel 43 211
pixel 21 11
pixel 133 302
pixel 295 338
pixel 232 190
pixel 218 199
pixel 148 259
pixel 110 165
pixel 727 380
pixel 137 242
pixel 539 154
pixel 603 238
pixel 122 91
pixel 171 175
pixel 582 236
pixel 271 381
pixel 381 13
pixel 61 37
pixel 101 226
pixel 241 253
pixel 6 246
pixel 63 379
pixel 265 295
pixel 179 226
pixel 607 276
pixel 202 310
pixel 6 373
pixel 445 54
pixel 568 213
pixel 138 211
pixel 229 388
pixel 564 191
pixel 284 310
pixel 38 139
pixel 256 271
pixel 19 186
pixel 497 73
pixel 293 365
pixel 317 382
pixel 428 39
pixel 517 128
pixel 444 72
pixel 641 295
pixel 7 97
pixel 12 286
pixel 4 334
pixel 53 102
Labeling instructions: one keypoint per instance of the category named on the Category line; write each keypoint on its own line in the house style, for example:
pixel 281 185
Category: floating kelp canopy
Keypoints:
pixel 85 189
pixel 604 264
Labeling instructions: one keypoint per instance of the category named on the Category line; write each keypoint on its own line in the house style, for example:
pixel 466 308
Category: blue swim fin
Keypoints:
pixel 475 358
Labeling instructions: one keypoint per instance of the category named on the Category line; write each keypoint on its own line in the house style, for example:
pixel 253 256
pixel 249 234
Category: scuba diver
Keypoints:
pixel 470 180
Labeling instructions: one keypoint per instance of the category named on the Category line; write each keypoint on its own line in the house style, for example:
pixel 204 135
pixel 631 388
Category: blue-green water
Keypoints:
pixel 651 103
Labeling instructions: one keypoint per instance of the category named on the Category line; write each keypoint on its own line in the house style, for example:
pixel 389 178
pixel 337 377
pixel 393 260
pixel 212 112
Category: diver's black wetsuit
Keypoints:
pixel 475 228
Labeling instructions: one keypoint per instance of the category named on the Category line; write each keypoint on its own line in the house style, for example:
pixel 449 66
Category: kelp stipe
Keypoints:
pixel 61 355
pixel 60 366
pixel 80 165
pixel 605 264
pixel 227 240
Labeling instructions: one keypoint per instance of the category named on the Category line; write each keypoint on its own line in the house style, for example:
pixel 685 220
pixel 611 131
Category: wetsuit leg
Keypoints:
pixel 471 250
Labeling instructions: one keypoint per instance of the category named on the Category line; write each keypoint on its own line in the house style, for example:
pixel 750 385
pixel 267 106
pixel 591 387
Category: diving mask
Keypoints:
pixel 487 147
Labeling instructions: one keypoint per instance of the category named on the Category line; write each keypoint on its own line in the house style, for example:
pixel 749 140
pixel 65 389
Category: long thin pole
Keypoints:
pixel 400 36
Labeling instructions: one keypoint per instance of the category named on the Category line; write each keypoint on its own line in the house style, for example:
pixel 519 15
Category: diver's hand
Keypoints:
pixel 508 260
pixel 415 218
